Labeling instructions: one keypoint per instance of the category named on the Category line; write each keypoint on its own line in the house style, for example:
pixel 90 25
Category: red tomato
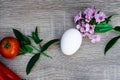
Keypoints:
pixel 9 47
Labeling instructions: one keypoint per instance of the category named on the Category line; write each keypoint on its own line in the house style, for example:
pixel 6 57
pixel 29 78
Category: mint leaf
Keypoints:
pixel 25 49
pixel 35 37
pixel 22 51
pixel 46 45
pixel 24 40
pixel 28 48
pixel 32 62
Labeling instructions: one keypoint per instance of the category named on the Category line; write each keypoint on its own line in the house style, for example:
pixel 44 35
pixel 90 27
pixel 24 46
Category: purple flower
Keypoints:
pixel 95 38
pixel 91 30
pixel 89 13
pixel 82 19
pixel 87 27
pixel 78 26
pixel 85 35
pixel 87 30
pixel 99 17
pixel 78 17
pixel 84 28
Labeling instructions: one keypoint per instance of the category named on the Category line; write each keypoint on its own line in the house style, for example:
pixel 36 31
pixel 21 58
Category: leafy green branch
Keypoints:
pixel 27 47
pixel 105 27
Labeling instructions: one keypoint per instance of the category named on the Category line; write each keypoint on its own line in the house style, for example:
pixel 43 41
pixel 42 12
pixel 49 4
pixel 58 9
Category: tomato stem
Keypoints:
pixel 6 45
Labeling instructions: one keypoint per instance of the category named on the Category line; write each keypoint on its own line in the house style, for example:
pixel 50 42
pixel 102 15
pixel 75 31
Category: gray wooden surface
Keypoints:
pixel 53 17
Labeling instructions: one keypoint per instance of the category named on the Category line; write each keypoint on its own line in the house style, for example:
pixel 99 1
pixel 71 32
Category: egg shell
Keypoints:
pixel 71 41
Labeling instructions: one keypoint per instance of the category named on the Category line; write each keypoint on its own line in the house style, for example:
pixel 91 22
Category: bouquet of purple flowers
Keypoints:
pixel 90 21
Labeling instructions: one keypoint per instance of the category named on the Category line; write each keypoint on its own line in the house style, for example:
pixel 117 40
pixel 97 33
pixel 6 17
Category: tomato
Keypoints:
pixel 9 47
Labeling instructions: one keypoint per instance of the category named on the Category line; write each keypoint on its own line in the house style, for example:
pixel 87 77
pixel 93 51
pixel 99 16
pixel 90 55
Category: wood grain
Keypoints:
pixel 53 17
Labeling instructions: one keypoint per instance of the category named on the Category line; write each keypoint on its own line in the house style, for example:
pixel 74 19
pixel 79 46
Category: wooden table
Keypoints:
pixel 53 17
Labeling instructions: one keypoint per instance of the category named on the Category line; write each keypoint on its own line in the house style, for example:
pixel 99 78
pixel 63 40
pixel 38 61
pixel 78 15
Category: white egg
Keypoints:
pixel 71 41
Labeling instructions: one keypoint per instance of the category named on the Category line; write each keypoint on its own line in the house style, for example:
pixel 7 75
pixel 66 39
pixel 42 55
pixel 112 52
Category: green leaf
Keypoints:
pixel 108 18
pixel 22 51
pixel 103 27
pixel 110 44
pixel 28 48
pixel 117 29
pixel 46 55
pixel 93 22
pixel 26 39
pixel 32 62
pixel 25 49
pixel 36 31
pixel 46 45
pixel 22 38
pixel 35 36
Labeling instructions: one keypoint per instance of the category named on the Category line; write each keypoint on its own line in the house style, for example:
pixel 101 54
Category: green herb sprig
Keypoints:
pixel 27 47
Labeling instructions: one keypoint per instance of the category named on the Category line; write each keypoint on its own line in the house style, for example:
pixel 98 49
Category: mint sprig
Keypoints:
pixel 27 47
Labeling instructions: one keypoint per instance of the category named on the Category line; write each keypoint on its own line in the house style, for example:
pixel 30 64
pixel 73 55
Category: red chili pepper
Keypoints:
pixel 7 74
